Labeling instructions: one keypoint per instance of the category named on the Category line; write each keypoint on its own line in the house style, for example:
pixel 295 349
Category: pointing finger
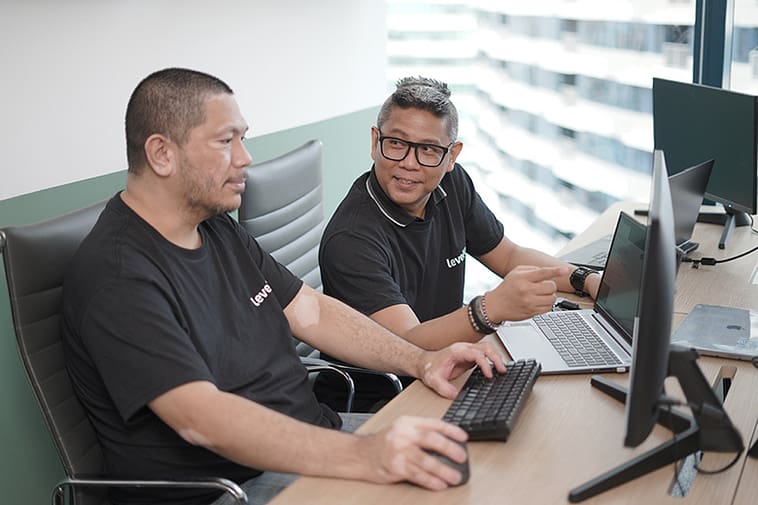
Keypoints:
pixel 546 273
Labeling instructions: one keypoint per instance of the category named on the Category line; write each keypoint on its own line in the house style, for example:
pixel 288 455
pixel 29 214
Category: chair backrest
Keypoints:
pixel 282 208
pixel 35 258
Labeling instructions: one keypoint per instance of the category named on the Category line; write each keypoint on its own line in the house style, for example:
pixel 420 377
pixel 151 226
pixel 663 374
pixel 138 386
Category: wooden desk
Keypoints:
pixel 569 433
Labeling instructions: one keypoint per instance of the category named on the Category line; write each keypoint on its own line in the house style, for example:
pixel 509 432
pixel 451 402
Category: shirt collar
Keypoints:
pixel 391 210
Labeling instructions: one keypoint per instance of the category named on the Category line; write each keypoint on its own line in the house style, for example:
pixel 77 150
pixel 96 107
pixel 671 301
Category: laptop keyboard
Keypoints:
pixel 575 340
pixel 599 258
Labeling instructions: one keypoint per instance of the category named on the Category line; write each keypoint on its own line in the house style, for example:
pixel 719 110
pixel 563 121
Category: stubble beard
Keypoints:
pixel 197 201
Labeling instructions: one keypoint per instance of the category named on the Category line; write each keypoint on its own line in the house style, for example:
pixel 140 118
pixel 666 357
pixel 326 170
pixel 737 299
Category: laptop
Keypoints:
pixel 687 190
pixel 610 321
pixel 725 332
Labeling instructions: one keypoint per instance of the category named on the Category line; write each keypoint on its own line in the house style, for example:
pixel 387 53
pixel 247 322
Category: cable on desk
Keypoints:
pixel 669 403
pixel 723 469
pixel 696 262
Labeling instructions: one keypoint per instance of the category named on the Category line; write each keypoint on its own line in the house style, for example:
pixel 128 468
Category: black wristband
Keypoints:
pixel 577 279
pixel 478 316
pixel 475 321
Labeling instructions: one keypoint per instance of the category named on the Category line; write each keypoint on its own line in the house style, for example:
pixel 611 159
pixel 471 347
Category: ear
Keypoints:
pixel 374 142
pixel 454 152
pixel 160 154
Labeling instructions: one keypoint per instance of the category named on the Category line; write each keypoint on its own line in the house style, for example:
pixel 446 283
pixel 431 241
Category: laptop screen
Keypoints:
pixel 619 290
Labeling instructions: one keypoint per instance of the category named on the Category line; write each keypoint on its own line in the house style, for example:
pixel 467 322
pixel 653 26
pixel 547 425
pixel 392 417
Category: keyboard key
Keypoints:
pixel 487 409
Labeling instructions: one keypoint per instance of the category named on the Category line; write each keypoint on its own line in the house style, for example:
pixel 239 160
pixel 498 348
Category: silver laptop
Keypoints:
pixel 725 332
pixel 687 190
pixel 592 255
pixel 604 339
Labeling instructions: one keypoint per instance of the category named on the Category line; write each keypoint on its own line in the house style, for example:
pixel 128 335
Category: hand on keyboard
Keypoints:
pixel 440 367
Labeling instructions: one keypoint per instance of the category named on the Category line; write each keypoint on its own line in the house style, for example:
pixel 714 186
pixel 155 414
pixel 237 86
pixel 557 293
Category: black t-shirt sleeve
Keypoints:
pixel 358 271
pixel 483 230
pixel 284 282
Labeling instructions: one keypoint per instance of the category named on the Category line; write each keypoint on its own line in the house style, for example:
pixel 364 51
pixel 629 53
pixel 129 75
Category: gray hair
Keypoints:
pixel 422 93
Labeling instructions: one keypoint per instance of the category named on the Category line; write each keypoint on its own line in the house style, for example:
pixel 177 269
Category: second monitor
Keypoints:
pixel 692 123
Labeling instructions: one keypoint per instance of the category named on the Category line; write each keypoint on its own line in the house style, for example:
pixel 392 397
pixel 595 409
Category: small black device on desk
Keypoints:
pixel 463 468
pixel 487 409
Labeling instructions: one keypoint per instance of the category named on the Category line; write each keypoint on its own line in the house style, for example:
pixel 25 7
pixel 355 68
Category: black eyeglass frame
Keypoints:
pixel 415 146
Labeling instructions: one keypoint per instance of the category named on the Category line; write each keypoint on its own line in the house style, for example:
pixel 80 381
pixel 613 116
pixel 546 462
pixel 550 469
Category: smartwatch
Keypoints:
pixel 577 279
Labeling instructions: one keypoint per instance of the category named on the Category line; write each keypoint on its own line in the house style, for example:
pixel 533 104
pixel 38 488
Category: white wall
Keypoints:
pixel 67 68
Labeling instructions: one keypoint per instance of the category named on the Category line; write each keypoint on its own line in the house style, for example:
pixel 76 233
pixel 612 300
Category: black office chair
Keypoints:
pixel 35 258
pixel 282 208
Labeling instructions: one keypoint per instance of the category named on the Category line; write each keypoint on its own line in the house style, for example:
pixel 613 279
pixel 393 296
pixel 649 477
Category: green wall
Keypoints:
pixel 29 466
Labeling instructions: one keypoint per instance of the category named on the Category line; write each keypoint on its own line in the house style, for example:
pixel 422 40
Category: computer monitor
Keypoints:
pixel 687 190
pixel 694 122
pixel 652 333
pixel 654 358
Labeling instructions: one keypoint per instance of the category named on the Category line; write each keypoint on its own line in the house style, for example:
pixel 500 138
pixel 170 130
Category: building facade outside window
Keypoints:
pixel 555 98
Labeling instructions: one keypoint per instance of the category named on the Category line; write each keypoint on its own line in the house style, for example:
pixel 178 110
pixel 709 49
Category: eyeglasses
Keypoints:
pixel 427 155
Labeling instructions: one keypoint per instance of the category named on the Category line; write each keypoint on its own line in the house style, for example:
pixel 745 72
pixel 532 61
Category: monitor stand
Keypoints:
pixel 708 429
pixel 728 220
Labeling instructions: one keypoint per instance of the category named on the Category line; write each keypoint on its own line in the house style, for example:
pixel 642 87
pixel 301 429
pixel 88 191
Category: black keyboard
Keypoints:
pixel 487 409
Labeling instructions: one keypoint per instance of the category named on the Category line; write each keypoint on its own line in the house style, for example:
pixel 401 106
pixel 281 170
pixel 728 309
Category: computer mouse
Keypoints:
pixel 463 468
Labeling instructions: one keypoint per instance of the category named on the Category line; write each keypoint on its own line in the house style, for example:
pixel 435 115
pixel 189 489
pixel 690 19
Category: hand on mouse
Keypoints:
pixel 427 452
pixel 462 468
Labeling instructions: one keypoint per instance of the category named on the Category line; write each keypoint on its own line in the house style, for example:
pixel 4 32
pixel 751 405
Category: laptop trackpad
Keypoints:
pixel 522 341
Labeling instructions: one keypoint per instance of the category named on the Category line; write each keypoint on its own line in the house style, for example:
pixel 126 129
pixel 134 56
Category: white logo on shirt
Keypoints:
pixel 458 260
pixel 261 295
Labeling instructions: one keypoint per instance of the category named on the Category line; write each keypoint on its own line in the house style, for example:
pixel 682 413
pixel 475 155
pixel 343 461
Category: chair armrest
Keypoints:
pixel 226 485
pixel 391 377
pixel 320 365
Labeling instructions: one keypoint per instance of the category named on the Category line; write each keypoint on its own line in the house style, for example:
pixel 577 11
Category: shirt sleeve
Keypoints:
pixel 284 282
pixel 483 230
pixel 358 271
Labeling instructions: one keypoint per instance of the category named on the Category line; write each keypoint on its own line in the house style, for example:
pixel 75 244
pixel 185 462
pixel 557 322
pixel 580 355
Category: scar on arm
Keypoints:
pixel 307 312
pixel 194 438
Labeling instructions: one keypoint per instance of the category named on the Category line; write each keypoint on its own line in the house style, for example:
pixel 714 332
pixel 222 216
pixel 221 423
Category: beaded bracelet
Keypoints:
pixel 486 318
pixel 475 321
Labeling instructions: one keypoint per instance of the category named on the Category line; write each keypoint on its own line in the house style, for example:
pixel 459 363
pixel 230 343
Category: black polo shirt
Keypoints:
pixel 374 254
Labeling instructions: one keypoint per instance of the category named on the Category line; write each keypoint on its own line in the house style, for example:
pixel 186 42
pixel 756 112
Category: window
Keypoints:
pixel 744 61
pixel 558 120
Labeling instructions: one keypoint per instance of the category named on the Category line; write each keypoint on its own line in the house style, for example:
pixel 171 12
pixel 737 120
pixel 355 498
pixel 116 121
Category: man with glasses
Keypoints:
pixel 395 248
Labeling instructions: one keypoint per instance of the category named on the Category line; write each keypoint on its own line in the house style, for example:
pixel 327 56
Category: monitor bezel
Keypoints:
pixel 652 335
pixel 729 202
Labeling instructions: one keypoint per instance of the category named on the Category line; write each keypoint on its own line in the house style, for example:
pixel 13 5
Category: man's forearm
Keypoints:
pixel 254 436
pixel 335 328
pixel 434 334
